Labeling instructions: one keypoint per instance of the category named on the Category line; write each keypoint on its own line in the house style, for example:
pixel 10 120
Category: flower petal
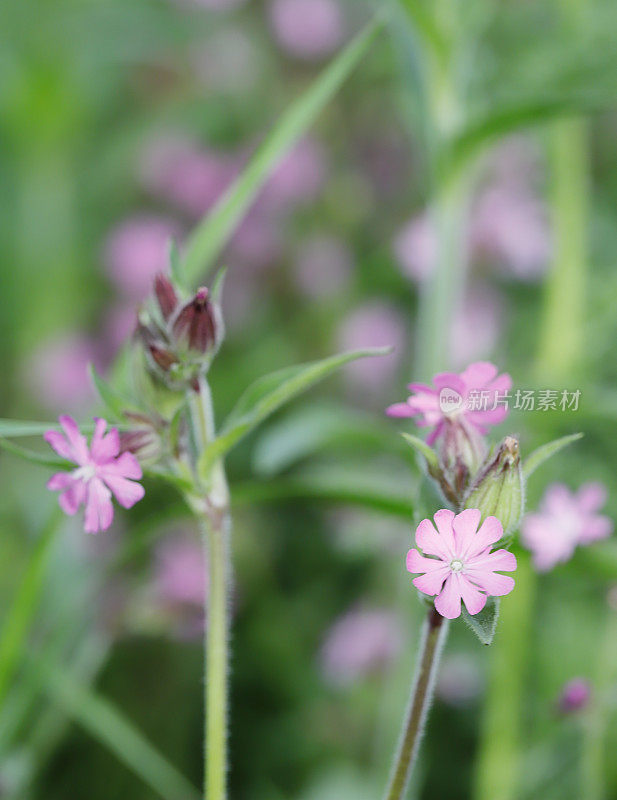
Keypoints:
pixel 125 466
pixel 400 410
pixel 77 441
pixel 443 520
pixel 59 481
pixel 498 560
pixel 448 603
pixel 104 448
pixel 474 599
pixel 430 542
pixel 57 440
pixel 479 374
pixel 465 527
pixel 126 492
pixel 435 572
pixel 595 528
pixel 490 531
pixel 99 509
pixel 73 497
pixel 591 497
pixel 492 582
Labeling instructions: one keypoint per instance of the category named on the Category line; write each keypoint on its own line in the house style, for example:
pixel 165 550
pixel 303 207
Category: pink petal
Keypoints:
pixel 125 466
pixel 78 442
pixel 74 496
pixel 557 499
pixel 595 528
pixel 436 572
pixel 498 560
pixel 56 440
pixel 474 600
pixel 399 410
pixel 99 509
pixel 443 521
pixel 477 375
pixel 430 440
pixel 448 603
pixel 104 448
pixel 591 497
pixel 490 531
pixel 126 492
pixel 60 480
pixel 492 582
pixel 429 541
pixel 448 380
pixel 421 388
pixel 465 526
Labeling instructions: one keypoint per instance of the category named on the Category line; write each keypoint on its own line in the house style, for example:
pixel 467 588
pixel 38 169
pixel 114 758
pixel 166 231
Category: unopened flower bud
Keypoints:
pixel 197 326
pixel 143 440
pixel 166 296
pixel 163 358
pixel 461 453
pixel 498 490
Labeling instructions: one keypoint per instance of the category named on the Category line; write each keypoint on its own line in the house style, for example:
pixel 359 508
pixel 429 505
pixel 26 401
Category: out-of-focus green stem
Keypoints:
pixel 562 334
pixel 17 623
pixel 433 637
pixel 593 766
pixel 499 751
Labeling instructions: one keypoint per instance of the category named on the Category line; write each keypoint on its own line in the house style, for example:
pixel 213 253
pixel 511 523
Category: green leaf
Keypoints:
pixel 267 394
pixel 421 447
pixel 12 428
pixel 55 462
pixel 484 624
pixel 213 232
pixel 313 428
pixel 544 452
pixel 175 264
pixel 216 291
pixel 113 401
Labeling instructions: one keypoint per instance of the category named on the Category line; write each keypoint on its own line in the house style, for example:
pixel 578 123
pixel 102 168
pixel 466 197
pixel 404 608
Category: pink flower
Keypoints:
pixel 565 520
pixel 323 265
pixel 575 695
pixel 360 642
pixel 461 565
pixel 471 398
pixel 137 250
pixel 416 248
pixel 475 329
pixel 100 472
pixel 307 29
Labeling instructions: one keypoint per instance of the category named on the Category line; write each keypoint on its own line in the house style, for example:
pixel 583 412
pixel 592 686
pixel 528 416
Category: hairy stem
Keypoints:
pixel 433 637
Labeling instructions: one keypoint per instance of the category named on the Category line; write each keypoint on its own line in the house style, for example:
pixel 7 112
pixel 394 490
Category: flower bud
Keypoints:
pixel 461 453
pixel 499 489
pixel 166 296
pixel 143 439
pixel 197 326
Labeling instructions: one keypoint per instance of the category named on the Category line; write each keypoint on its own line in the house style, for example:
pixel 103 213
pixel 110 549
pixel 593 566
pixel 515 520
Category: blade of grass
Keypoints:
pixel 211 235
pixel 17 624
pixel 110 727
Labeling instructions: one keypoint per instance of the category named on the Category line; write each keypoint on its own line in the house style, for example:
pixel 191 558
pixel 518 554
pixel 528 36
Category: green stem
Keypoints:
pixel 18 621
pixel 216 652
pixel 562 333
pixel 433 637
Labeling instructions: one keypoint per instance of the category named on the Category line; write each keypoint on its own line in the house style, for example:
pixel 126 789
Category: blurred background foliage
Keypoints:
pixel 123 123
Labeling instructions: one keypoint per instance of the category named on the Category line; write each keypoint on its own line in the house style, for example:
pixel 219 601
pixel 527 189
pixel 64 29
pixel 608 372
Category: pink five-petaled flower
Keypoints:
pixel 461 565
pixel 475 397
pixel 565 520
pixel 101 471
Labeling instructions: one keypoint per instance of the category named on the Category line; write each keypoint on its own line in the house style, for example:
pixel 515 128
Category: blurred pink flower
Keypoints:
pixel 212 5
pixel 57 373
pixel 298 178
pixel 136 250
pixel 307 29
pixel 453 399
pixel 464 568
pixel 459 681
pixel 360 642
pixel 510 226
pixel 416 248
pixel 101 471
pixel 181 576
pixel 476 327
pixel 575 696
pixel 189 177
pixel 119 324
pixel 375 324
pixel 323 265
pixel 257 241
pixel 565 520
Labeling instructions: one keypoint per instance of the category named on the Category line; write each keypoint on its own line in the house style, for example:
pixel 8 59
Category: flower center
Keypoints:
pixel 456 565
pixel 85 474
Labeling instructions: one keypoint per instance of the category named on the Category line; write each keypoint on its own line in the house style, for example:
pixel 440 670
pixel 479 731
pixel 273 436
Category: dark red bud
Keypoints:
pixel 165 295
pixel 164 358
pixel 196 323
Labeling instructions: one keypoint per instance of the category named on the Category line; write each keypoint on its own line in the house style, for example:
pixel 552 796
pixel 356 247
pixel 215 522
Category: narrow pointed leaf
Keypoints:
pixel 114 403
pixel 54 462
pixel 212 234
pixel 422 448
pixel 544 452
pixel 269 393
pixel 484 624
